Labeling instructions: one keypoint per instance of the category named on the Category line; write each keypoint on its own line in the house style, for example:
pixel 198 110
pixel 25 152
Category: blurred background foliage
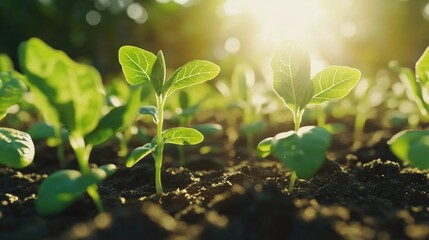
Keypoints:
pixel 366 34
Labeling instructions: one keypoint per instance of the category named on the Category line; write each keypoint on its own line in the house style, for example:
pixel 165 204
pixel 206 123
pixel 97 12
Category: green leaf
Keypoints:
pixel 157 77
pixel 208 129
pixel 192 73
pixel 74 101
pixel 117 119
pixel 334 82
pixel 139 153
pixel 150 110
pixel 182 136
pixel 291 76
pixel 64 187
pixel 411 146
pixel 422 68
pixel 16 148
pixel 264 147
pixel 412 86
pixel 11 91
pixel 6 63
pixel 304 151
pixel 136 64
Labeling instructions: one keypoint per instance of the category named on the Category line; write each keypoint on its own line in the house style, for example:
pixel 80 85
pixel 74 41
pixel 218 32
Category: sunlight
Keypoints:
pixel 292 19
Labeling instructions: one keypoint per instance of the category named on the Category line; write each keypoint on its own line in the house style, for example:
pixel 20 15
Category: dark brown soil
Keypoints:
pixel 366 194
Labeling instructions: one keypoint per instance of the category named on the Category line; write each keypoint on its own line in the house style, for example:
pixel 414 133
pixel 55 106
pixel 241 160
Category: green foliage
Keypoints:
pixel 140 66
pixel 73 103
pixel 63 187
pixel 16 148
pixel 303 150
pixel 11 91
pixel 412 147
pixel 6 63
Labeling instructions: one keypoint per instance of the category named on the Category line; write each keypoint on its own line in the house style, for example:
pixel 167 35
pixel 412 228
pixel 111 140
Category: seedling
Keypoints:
pixel 73 103
pixel 412 146
pixel 16 147
pixel 303 150
pixel 186 113
pixel 140 66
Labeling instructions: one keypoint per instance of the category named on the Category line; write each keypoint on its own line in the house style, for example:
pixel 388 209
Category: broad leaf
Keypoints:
pixel 334 82
pixel 64 187
pixel 192 73
pixel 411 146
pixel 16 148
pixel 67 93
pixel 150 110
pixel 138 153
pixel 291 76
pixel 6 63
pixel 117 119
pixel 182 136
pixel 157 76
pixel 304 151
pixel 422 68
pixel 11 91
pixel 136 64
pixel 264 147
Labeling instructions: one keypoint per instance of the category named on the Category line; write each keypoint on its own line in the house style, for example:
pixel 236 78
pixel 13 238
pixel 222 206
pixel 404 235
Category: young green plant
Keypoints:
pixel 412 146
pixel 16 147
pixel 140 66
pixel 303 149
pixel 73 103
pixel 186 112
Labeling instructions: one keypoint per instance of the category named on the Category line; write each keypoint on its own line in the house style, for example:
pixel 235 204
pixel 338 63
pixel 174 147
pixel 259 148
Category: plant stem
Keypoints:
pixel 359 126
pixel 292 182
pixel 321 116
pixel 82 153
pixel 297 119
pixel 160 101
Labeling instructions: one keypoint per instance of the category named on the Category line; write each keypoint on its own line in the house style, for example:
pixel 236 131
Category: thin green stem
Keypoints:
pixel 160 101
pixel 292 182
pixel 249 139
pixel 321 116
pixel 82 153
pixel 297 119
pixel 359 126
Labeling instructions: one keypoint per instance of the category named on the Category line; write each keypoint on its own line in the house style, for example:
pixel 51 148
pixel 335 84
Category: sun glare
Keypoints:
pixel 292 19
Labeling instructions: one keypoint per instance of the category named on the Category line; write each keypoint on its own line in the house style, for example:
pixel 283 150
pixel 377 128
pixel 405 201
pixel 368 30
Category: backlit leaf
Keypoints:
pixel 291 76
pixel 334 82
pixel 136 64
pixel 422 68
pixel 182 136
pixel 192 73
pixel 157 76
pixel 6 63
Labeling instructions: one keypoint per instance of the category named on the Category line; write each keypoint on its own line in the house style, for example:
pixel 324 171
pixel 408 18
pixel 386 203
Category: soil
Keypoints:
pixel 362 194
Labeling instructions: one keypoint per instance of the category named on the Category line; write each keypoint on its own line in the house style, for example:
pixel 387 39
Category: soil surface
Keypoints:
pixel 363 194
